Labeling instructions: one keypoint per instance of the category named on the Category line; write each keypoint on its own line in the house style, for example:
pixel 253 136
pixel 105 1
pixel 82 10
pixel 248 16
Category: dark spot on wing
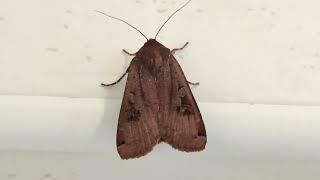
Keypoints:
pixel 184 109
pixel 200 133
pixel 121 143
pixel 135 115
pixel 68 11
pixel 2 18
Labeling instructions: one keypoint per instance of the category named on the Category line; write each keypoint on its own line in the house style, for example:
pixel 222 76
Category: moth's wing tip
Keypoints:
pixel 198 144
pixel 125 152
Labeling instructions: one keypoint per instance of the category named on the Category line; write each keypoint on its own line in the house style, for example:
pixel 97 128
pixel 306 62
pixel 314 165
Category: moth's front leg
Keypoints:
pixel 194 83
pixel 130 54
pixel 179 49
pixel 117 81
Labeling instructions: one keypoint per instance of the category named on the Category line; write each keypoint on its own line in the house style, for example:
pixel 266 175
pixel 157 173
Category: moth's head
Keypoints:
pixel 152 43
pixel 151 49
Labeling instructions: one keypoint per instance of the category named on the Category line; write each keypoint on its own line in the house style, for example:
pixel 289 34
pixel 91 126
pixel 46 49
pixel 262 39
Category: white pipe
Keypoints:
pixel 89 125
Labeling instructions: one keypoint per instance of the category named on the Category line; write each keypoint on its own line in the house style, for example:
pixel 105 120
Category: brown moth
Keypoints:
pixel 158 105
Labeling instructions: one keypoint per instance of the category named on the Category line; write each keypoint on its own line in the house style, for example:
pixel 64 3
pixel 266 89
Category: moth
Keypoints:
pixel 158 105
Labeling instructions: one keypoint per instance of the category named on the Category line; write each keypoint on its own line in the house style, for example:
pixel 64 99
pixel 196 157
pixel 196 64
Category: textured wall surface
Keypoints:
pixel 257 63
pixel 261 51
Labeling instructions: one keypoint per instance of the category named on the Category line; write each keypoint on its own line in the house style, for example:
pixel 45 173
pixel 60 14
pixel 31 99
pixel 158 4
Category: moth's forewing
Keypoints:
pixel 186 130
pixel 137 126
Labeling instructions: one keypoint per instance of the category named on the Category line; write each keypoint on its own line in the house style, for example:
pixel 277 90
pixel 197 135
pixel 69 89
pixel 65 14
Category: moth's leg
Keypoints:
pixel 194 84
pixel 117 81
pixel 130 54
pixel 178 49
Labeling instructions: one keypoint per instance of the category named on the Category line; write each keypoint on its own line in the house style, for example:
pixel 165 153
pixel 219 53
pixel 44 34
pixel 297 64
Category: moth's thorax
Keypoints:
pixel 152 56
pixel 152 49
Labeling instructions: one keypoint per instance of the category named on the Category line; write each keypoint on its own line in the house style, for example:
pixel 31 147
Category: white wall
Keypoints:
pixel 257 51
pixel 257 62
pixel 176 166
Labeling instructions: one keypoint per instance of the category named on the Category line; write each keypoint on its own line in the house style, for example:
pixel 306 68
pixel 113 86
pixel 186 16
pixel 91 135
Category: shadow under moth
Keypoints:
pixel 158 105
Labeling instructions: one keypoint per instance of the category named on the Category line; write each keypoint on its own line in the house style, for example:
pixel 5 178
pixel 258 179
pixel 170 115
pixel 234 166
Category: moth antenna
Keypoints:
pixel 171 17
pixel 124 22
